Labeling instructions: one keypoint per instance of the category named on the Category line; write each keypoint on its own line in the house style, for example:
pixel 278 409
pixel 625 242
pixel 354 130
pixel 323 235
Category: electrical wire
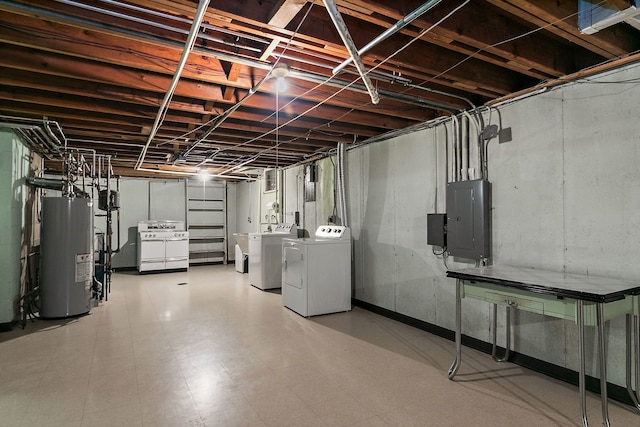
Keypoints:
pixel 255 88
pixel 509 40
pixel 317 105
pixel 318 86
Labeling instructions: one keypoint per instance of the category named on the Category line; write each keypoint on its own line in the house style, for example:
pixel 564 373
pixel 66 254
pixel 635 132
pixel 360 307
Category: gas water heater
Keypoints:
pixel 66 256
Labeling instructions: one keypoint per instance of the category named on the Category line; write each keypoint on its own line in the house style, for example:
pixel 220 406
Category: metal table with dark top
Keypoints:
pixel 586 300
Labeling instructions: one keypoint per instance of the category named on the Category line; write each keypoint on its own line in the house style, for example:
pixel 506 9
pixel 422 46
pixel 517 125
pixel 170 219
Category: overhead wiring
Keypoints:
pixel 328 98
pixel 499 43
pixel 230 111
pixel 321 128
pixel 164 105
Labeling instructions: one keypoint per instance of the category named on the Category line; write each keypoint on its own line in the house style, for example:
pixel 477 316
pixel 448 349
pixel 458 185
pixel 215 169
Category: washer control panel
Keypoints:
pixel 332 232
pixel 286 228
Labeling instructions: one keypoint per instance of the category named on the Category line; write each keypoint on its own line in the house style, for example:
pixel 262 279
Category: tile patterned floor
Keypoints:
pixel 218 352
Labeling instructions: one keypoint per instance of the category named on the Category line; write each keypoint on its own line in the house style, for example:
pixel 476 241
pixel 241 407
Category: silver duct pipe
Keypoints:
pixel 340 185
pixel 340 25
pixel 241 164
pixel 306 76
pixel 151 23
pixel 391 31
pixel 52 135
pixel 36 133
pixel 375 74
pixel 191 39
pixel 216 175
pixel 394 96
pixel 439 92
pixel 172 18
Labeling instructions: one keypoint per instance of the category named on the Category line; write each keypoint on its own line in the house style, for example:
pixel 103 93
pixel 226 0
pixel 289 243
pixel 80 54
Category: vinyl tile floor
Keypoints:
pixel 204 348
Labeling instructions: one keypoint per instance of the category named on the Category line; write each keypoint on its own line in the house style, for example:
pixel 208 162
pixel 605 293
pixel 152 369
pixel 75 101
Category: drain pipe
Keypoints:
pixel 340 25
pixel 191 39
pixel 390 31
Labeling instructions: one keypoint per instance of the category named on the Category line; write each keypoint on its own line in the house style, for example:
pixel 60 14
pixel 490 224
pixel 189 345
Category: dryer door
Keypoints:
pixel 292 266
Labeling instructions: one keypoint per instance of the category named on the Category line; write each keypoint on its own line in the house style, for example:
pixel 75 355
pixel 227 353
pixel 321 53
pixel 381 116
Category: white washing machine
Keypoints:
pixel 265 256
pixel 316 272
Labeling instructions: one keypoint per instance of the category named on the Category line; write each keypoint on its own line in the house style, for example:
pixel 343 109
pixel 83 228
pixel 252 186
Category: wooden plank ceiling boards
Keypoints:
pixel 101 69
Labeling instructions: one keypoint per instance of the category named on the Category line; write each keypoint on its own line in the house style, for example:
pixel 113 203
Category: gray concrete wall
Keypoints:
pixel 565 198
pixel 134 207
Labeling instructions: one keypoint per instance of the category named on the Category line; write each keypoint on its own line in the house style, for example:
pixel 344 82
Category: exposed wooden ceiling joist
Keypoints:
pixel 100 69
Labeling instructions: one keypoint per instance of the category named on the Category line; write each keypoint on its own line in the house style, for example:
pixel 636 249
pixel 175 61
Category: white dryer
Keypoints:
pixel 316 272
pixel 265 256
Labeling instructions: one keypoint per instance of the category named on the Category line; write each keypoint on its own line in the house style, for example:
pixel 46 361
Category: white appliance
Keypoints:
pixel 242 252
pixel 265 256
pixel 316 272
pixel 162 245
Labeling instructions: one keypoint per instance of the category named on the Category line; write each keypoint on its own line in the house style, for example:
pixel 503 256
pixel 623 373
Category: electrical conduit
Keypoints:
pixel 191 39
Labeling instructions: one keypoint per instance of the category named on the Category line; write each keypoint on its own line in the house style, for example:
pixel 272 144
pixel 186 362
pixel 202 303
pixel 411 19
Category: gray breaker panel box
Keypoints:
pixel 468 219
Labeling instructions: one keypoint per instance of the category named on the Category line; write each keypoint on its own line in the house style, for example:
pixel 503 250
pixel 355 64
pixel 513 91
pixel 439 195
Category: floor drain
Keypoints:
pixel 182 283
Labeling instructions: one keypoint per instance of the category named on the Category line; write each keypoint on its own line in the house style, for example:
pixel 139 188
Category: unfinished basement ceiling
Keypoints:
pixel 102 69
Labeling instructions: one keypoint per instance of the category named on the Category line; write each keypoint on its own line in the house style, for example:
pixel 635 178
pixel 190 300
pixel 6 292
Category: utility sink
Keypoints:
pixel 242 239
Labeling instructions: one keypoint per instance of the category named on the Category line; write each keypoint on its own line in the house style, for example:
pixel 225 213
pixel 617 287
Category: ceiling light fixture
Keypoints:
pixel 280 71
pixel 203 174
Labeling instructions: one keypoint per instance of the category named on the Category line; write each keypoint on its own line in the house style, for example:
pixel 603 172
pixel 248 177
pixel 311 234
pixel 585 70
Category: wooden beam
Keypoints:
pixel 94 73
pixel 232 76
pixel 560 18
pixel 284 12
pixel 269 50
pixel 620 4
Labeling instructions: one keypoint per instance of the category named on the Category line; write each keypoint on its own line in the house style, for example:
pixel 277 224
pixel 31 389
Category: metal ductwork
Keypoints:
pixel 340 25
pixel 391 31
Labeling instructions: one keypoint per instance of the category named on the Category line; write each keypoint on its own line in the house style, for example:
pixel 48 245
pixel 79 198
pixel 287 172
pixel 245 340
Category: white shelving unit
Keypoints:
pixel 207 221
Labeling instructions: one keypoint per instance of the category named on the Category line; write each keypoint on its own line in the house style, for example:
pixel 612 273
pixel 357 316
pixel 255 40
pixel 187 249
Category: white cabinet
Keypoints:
pixel 207 221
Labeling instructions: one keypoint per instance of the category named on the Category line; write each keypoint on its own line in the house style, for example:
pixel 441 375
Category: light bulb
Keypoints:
pixel 203 174
pixel 281 84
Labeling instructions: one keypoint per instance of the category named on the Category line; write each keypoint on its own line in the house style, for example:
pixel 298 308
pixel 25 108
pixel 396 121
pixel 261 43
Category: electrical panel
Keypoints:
pixel 310 183
pixel 469 219
pixel 436 230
